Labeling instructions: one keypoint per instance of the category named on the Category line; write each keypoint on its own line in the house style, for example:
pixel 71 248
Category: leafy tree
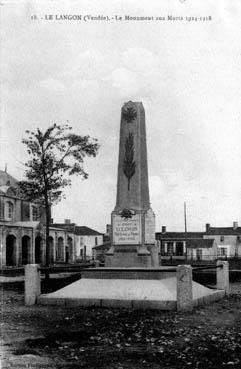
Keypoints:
pixel 55 155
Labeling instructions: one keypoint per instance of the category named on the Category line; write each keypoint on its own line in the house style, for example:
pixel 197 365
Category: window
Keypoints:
pixel 223 251
pixel 199 254
pixel 221 238
pixel 96 241
pixel 169 248
pixel 190 253
pixel 239 238
pixel 9 210
pixel 162 248
pixel 179 248
pixel 34 213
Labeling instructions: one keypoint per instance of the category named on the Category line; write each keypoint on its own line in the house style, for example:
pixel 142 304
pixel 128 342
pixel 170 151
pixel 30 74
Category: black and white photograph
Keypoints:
pixel 120 184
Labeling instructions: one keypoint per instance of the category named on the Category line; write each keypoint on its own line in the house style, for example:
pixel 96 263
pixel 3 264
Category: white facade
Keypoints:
pixel 190 249
pixel 84 245
pixel 228 245
pixel 203 253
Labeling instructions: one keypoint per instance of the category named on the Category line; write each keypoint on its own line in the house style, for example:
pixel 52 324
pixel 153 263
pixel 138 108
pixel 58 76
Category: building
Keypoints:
pixel 22 230
pixel 201 249
pixel 228 239
pixel 215 242
pixel 100 250
pixel 186 246
pixel 85 239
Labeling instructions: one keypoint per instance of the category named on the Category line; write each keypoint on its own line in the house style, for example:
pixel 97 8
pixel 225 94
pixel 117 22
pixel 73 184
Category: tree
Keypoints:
pixel 55 155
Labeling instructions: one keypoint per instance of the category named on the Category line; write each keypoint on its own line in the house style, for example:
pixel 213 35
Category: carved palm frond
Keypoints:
pixel 129 163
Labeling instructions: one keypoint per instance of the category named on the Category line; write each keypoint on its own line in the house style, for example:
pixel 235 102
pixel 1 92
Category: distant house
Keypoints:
pixel 228 239
pixel 85 239
pixel 215 242
pixel 100 250
pixel 185 245
pixel 201 249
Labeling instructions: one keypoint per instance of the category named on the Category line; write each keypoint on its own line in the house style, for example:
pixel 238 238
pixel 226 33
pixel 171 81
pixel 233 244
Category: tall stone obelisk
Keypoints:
pixel 133 221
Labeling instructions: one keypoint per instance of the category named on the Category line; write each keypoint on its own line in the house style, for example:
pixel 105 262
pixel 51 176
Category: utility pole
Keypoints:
pixel 185 223
pixel 185 218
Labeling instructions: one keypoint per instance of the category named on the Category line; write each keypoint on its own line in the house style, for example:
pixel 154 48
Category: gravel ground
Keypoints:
pixel 57 337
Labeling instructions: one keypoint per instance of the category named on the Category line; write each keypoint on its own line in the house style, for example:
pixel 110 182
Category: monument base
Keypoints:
pixel 144 256
pixel 133 240
pixel 127 260
pixel 131 288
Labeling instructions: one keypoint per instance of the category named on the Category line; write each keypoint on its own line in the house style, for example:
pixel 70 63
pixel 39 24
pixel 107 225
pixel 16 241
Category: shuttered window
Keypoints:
pixel 1 208
pixel 25 211
pixel 34 213
pixel 8 211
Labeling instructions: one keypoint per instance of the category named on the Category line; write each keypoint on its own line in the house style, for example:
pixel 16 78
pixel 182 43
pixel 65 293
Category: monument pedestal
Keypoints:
pixel 133 240
pixel 128 256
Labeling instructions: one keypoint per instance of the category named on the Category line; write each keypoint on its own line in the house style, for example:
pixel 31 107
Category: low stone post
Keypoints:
pixel 184 288
pixel 97 263
pixel 32 288
pixel 223 276
pixel 154 255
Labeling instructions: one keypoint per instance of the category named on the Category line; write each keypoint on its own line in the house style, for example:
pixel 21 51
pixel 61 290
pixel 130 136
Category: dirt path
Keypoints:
pixel 57 337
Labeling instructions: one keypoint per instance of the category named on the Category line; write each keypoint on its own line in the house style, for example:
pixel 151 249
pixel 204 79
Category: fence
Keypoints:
pixel 185 300
pixel 32 288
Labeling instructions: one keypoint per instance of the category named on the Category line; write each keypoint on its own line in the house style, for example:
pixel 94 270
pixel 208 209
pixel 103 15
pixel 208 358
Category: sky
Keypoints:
pixel 186 73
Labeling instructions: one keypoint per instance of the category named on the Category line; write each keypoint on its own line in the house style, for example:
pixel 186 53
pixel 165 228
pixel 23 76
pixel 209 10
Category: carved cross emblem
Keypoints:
pixel 129 114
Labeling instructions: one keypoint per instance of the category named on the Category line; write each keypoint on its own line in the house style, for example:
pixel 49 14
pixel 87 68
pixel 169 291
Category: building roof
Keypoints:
pixel 104 246
pixel 200 243
pixel 223 231
pixel 67 226
pixel 6 179
pixel 178 235
pixel 8 191
pixel 4 188
pixel 59 229
pixel 86 231
pixel 78 230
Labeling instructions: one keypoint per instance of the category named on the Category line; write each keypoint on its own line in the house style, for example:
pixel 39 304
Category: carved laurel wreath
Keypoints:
pixel 129 163
pixel 129 114
pixel 126 213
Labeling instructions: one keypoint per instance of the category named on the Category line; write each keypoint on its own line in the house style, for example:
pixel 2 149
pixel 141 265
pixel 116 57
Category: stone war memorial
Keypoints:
pixel 133 221
pixel 132 276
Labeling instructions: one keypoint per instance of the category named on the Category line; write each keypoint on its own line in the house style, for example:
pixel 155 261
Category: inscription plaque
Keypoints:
pixel 126 231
